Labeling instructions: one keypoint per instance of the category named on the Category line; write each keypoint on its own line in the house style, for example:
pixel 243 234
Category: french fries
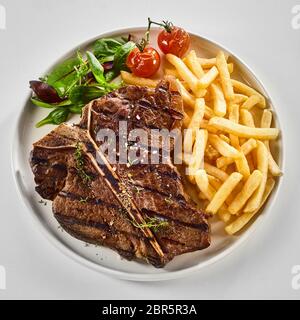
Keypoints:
pixel 262 165
pixel 197 161
pixel 186 74
pixel 193 63
pixel 216 172
pixel 248 189
pixel 248 91
pixel 186 96
pixel 241 221
pixel 219 100
pixel 243 131
pixel 251 102
pixel 266 121
pixel 223 147
pixel 137 81
pixel 227 149
pixel 224 76
pixel 239 98
pixel 208 78
pixel 223 192
pixel 207 63
pixel 203 184
pixel 246 148
pixel 247 118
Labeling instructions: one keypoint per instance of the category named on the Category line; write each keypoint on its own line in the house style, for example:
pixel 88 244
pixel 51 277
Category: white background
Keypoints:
pixel 260 32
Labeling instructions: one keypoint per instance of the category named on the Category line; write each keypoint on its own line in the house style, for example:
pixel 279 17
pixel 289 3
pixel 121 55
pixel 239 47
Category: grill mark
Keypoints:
pixel 201 226
pixel 66 220
pixel 93 201
pixel 97 225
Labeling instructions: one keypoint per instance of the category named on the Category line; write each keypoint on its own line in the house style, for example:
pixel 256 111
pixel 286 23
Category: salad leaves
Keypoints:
pixel 78 80
pixel 106 47
pixel 56 116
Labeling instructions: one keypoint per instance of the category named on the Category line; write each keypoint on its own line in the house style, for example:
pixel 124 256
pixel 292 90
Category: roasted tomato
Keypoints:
pixel 173 40
pixel 143 63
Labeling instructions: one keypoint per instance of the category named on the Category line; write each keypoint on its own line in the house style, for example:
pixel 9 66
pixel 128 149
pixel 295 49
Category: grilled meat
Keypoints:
pixel 140 210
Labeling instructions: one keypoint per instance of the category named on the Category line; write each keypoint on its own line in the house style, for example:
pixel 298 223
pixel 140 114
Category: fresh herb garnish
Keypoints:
pixel 43 202
pixel 80 164
pixel 84 200
pixel 154 223
pixel 169 199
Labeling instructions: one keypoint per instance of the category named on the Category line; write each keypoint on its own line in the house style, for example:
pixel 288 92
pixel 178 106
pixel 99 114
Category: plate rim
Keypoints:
pixel 138 276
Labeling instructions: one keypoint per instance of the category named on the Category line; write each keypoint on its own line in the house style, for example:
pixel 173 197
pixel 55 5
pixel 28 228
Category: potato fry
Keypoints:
pixel 224 76
pixel 187 98
pixel 202 180
pixel 266 121
pixel 202 196
pixel 186 119
pixel 223 147
pixel 215 182
pixel 230 67
pixel 208 113
pixel 234 117
pixel 241 163
pixel 194 65
pixel 243 166
pixel 248 189
pixel 224 191
pixel 218 100
pixel 262 166
pixel 239 98
pixel 209 192
pixel 250 162
pixel 186 74
pixel 211 153
pixel 224 215
pixel 244 89
pixel 172 72
pixel 225 138
pixel 207 63
pixel 197 161
pixel 243 131
pixel 214 171
pixel 210 62
pixel 246 148
pixel 208 78
pixel 129 78
pixel 198 114
pixel 241 221
pixel 190 132
pixel 247 118
pixel 188 140
pixel 204 125
pixel 251 102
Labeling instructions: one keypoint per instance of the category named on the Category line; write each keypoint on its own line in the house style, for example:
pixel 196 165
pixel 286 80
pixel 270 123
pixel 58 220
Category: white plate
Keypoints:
pixel 102 259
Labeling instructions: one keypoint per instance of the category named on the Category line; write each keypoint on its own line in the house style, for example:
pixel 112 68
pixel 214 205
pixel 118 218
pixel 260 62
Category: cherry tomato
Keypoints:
pixel 143 63
pixel 175 41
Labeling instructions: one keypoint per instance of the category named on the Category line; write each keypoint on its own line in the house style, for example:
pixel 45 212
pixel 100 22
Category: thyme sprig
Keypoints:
pixel 80 164
pixel 153 223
